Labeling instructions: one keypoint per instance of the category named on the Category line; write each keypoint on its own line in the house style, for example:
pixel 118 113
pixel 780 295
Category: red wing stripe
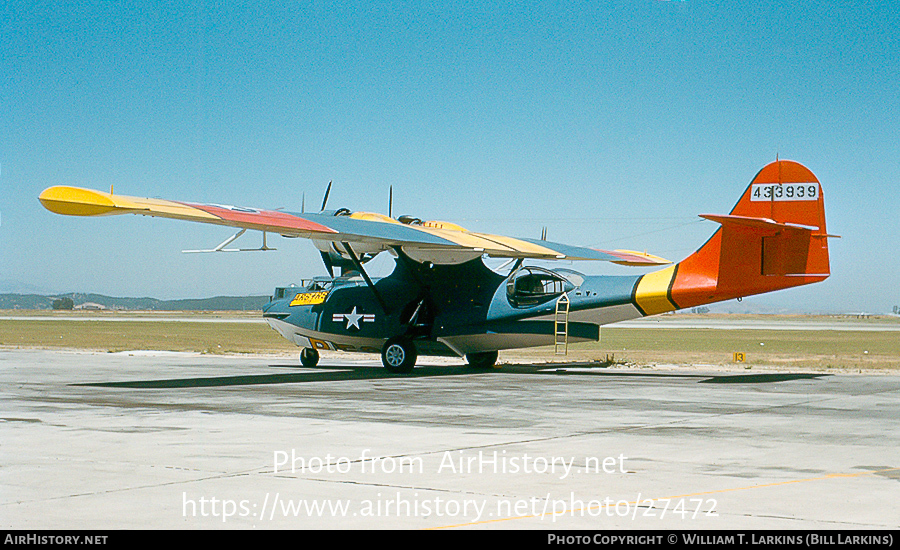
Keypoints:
pixel 270 218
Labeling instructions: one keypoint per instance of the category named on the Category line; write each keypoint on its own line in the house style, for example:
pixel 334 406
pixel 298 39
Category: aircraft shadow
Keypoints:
pixel 562 369
pixel 325 373
pixel 321 374
pixel 762 378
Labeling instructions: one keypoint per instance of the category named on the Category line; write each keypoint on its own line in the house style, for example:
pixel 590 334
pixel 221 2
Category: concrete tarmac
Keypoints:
pixel 175 440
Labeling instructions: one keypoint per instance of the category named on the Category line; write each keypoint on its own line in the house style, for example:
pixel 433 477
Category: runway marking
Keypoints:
pixel 687 495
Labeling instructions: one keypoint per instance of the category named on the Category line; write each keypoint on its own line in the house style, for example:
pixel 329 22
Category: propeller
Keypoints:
pixel 331 256
pixel 329 265
pixel 325 200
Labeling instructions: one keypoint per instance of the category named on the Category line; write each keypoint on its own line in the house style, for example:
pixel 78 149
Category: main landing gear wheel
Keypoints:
pixel 309 357
pixel 484 360
pixel 398 355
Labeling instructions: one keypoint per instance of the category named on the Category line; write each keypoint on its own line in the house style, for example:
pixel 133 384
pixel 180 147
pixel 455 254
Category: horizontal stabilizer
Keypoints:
pixel 760 224
pixel 639 259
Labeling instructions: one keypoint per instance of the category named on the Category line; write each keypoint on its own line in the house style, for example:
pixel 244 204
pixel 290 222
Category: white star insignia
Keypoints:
pixel 353 319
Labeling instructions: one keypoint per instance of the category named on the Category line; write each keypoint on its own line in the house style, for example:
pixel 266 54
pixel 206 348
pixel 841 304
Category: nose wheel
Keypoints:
pixel 309 357
pixel 399 355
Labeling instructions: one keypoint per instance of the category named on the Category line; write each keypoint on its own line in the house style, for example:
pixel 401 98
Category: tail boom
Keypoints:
pixel 774 238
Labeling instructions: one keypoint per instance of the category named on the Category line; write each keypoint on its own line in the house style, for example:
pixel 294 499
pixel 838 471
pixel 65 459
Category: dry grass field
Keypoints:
pixel 224 333
pixel 204 336
pixel 831 350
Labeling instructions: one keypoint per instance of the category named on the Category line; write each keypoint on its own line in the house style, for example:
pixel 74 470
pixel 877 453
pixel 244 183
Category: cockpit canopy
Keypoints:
pixel 530 286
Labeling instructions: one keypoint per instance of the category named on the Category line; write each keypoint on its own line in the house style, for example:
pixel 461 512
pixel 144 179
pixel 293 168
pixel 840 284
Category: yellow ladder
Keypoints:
pixel 561 325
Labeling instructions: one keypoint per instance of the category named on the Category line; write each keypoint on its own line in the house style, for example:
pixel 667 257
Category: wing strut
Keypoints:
pixel 365 275
pixel 229 240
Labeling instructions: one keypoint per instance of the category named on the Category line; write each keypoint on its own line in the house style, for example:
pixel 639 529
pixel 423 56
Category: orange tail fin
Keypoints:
pixel 774 238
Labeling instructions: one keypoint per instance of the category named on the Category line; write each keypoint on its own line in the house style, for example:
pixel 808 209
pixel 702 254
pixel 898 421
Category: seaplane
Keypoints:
pixel 442 298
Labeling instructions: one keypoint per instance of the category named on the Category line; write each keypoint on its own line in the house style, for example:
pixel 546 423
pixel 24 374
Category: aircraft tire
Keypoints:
pixel 309 357
pixel 484 360
pixel 399 355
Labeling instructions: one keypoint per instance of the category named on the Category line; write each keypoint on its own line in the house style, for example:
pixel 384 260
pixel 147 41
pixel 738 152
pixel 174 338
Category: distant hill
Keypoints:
pixel 217 303
pixel 13 286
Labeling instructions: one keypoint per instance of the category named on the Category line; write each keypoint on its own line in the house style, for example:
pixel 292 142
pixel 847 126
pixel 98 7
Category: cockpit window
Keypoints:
pixel 530 286
pixel 282 291
pixel 316 285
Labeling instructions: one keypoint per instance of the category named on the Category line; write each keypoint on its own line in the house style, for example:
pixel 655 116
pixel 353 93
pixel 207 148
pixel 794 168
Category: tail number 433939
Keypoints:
pixel 784 192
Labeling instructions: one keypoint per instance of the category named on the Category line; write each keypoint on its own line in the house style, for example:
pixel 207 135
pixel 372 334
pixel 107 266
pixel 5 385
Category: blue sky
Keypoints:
pixel 612 123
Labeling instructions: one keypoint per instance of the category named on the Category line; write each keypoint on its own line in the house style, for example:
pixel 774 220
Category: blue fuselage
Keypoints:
pixel 454 309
